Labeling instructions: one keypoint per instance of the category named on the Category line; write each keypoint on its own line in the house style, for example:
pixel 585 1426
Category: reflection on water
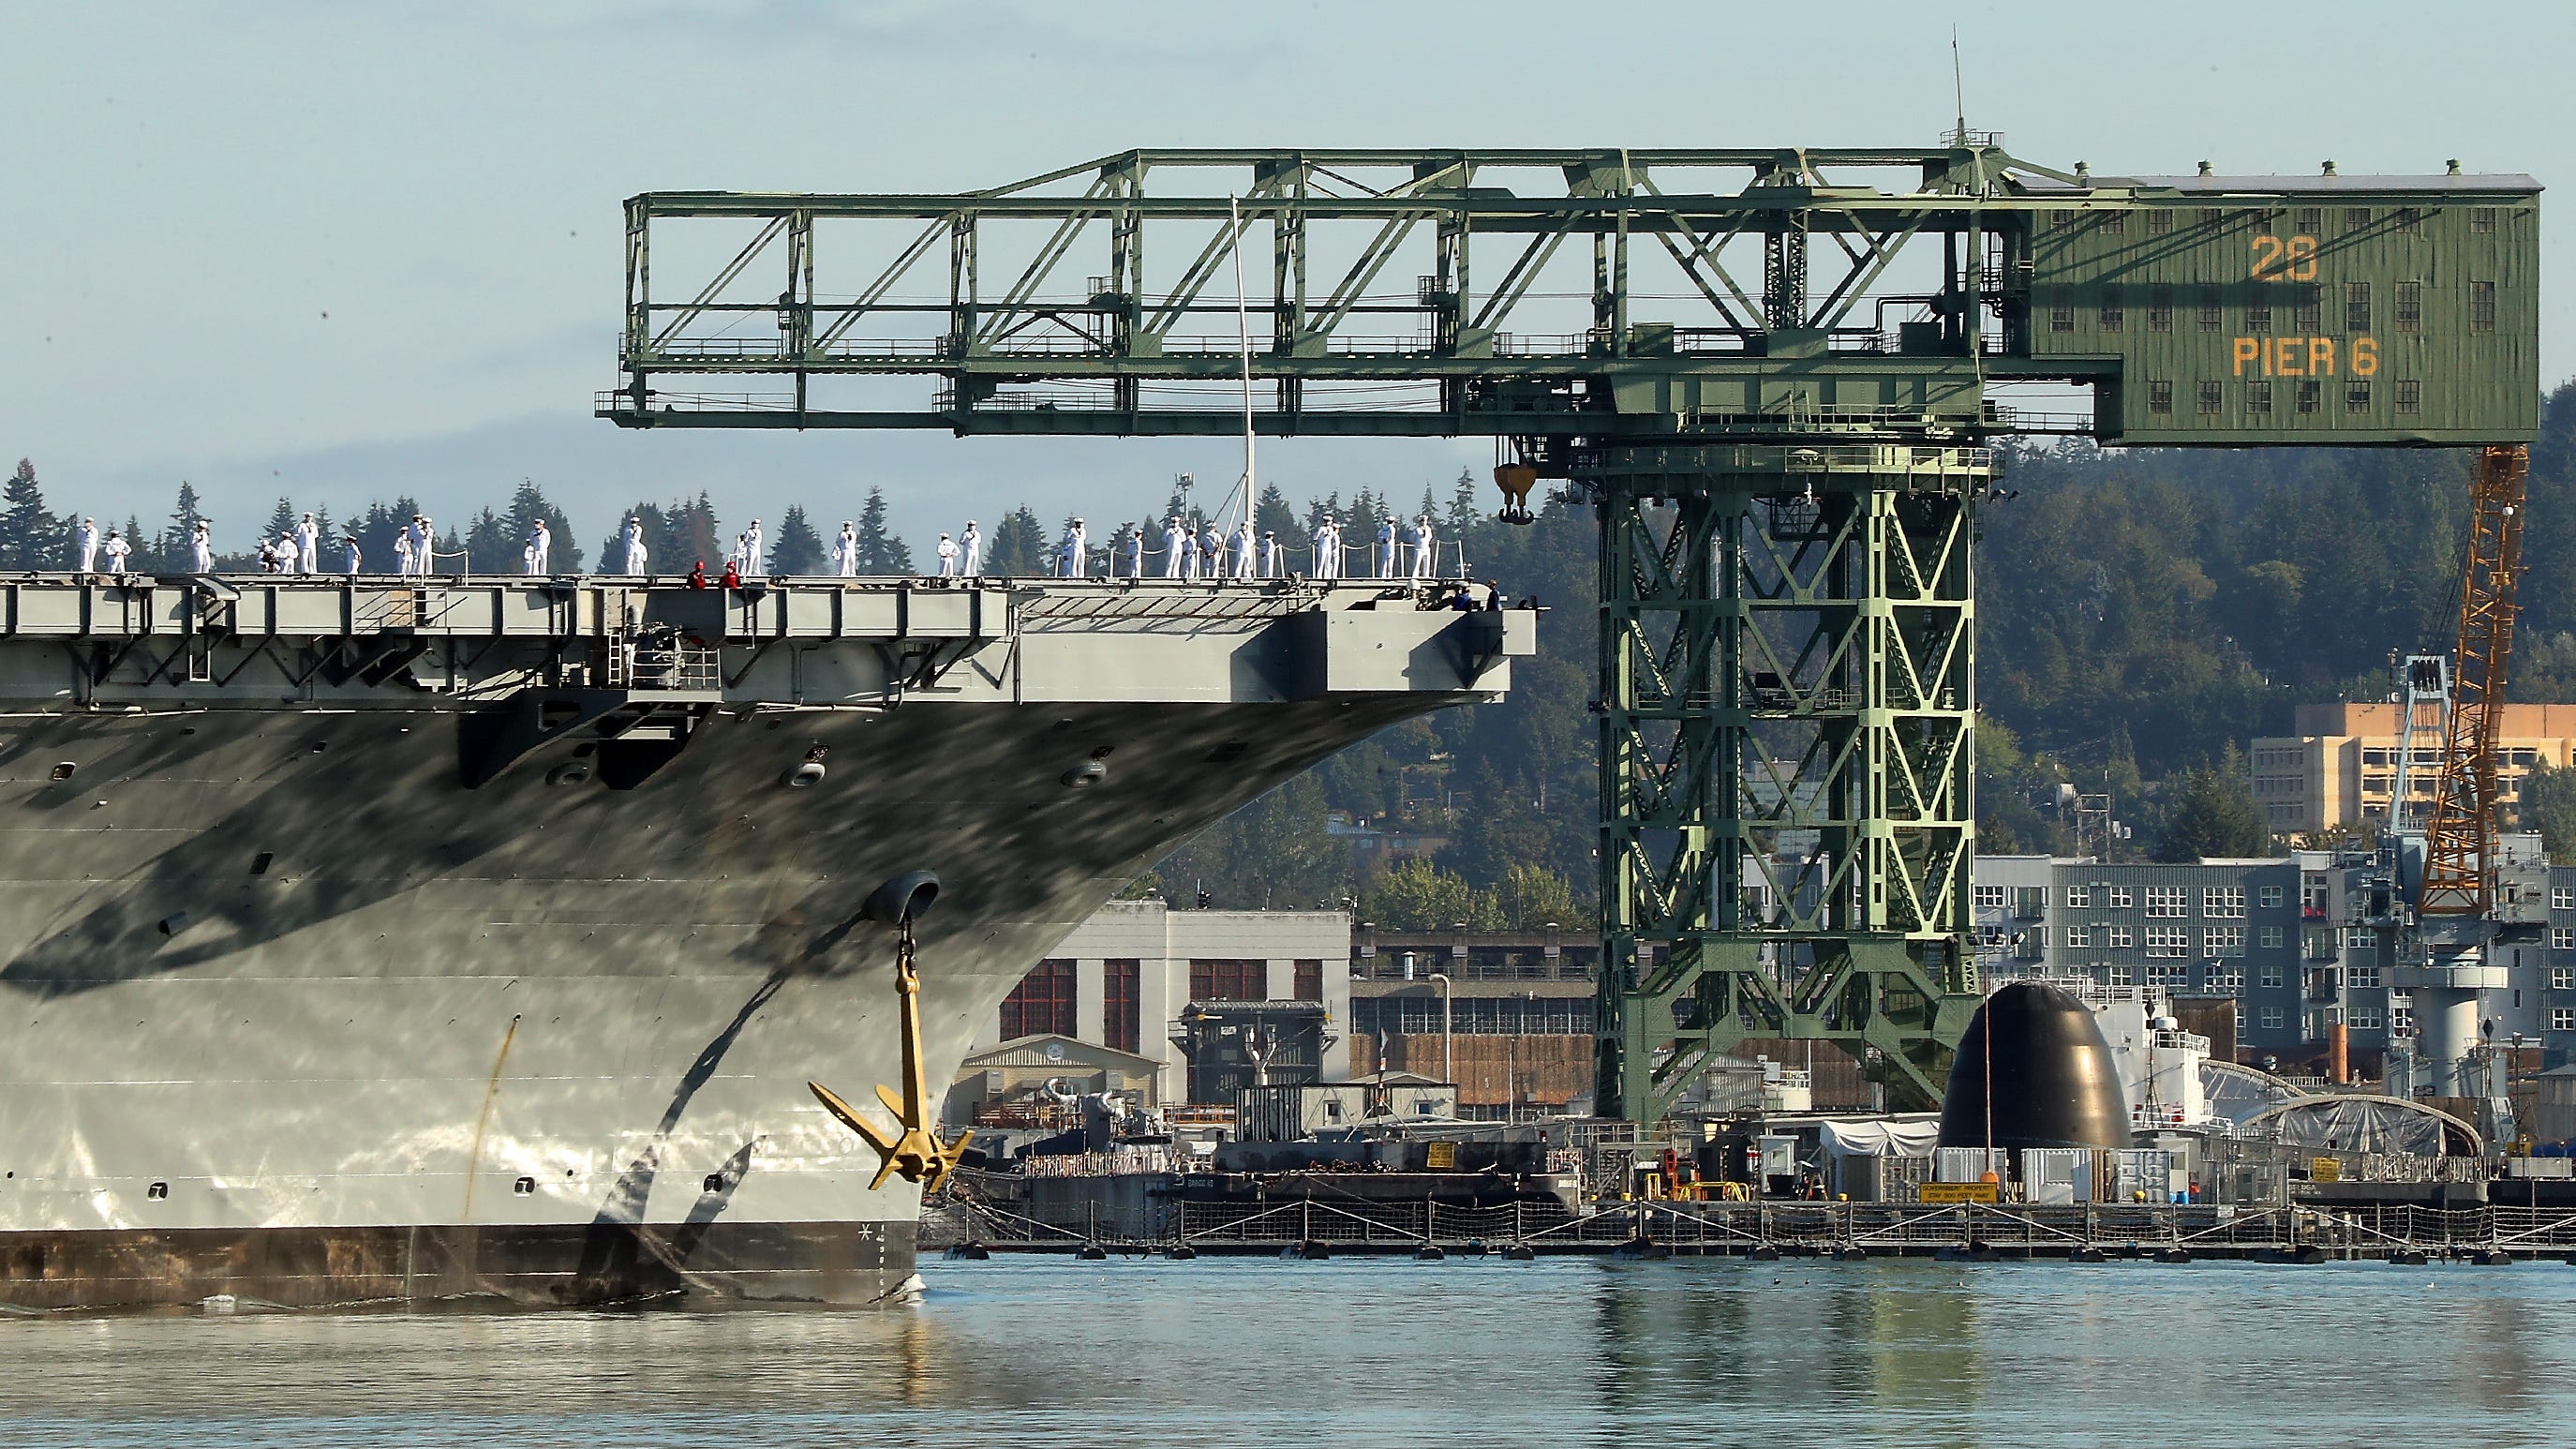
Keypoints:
pixel 1049 1351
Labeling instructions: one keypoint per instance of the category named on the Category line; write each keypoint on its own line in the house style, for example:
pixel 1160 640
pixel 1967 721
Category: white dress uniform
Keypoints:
pixel 947 557
pixel 308 541
pixel 1386 549
pixel 201 548
pixel 635 554
pixel 1327 563
pixel 1426 549
pixel 746 550
pixel 87 541
pixel 1269 555
pixel 424 545
pixel 1176 546
pixel 1243 551
pixel 403 553
pixel 289 560
pixel 1135 553
pixel 845 552
pixel 349 548
pixel 539 542
pixel 1080 558
pixel 117 549
pixel 970 552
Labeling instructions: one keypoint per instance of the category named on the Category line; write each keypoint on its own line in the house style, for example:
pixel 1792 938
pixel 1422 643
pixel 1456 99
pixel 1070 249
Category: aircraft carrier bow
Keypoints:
pixel 377 941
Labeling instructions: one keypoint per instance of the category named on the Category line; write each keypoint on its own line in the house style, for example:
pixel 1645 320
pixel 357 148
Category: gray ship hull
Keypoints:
pixel 335 994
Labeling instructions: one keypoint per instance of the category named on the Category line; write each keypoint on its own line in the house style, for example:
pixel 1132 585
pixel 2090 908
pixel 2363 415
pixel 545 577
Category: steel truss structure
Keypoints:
pixel 1772 384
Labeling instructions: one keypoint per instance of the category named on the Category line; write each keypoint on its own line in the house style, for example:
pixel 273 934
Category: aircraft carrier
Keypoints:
pixel 474 940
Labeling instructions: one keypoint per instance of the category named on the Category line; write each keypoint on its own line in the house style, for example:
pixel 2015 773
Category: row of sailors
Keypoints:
pixel 1206 554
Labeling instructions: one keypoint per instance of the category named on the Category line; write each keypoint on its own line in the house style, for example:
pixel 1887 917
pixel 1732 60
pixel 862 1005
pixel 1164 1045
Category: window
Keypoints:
pixel 2363 1018
pixel 2401 1015
pixel 2159 396
pixel 2561 938
pixel 2159 222
pixel 2364 974
pixel 2311 395
pixel 2562 1018
pixel 2258 316
pixel 2269 977
pixel 2118 938
pixel 2160 307
pixel 2209 315
pixel 2061 319
pixel 1120 1015
pixel 2308 313
pixel 2271 938
pixel 2114 223
pixel 2410 306
pixel 2119 897
pixel 2312 219
pixel 2223 978
pixel 2209 397
pixel 2562 898
pixel 2268 896
pixel 1229 981
pixel 1042 1004
pixel 2562 978
pixel 2271 1018
pixel 2355 218
pixel 2227 903
pixel 2079 937
pixel 2356 306
pixel 2172 978
pixel 2079 897
pixel 2410 395
pixel 2118 976
pixel 2481 218
pixel 2223 941
pixel 2359 938
pixel 2115 312
pixel 2258 396
pixel 2482 306
pixel 2407 217
pixel 2356 396
pixel 2168 941
pixel 1990 898
pixel 1310 981
pixel 2165 901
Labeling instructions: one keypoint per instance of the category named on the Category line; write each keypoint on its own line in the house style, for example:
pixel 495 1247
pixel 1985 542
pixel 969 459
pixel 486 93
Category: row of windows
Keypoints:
pixel 2310 220
pixel 1043 1004
pixel 2307 397
pixel 2307 310
pixel 2219 902
pixel 2520 757
pixel 1473 1016
pixel 2215 941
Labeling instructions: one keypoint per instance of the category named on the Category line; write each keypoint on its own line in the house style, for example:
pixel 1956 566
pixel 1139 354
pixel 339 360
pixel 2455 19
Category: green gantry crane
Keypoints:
pixel 1775 384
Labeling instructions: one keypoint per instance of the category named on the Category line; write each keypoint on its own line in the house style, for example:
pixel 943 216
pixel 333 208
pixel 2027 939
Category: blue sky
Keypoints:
pixel 340 251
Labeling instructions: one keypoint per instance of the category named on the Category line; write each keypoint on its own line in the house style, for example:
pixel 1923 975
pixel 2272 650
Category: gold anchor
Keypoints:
pixel 916 1152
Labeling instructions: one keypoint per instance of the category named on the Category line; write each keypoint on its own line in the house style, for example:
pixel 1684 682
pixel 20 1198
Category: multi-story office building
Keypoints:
pixel 2341 766
pixel 2290 939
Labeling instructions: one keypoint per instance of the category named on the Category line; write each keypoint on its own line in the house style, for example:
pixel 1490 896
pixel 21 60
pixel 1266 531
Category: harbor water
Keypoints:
pixel 1050 1351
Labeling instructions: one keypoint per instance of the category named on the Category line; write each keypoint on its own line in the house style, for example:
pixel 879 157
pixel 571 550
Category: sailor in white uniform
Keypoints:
pixel 403 553
pixel 1175 545
pixel 947 556
pixel 1191 563
pixel 1328 549
pixel 539 541
pixel 1072 552
pixel 970 552
pixel 1426 549
pixel 288 559
pixel 87 545
pixel 845 551
pixel 1135 541
pixel 746 550
pixel 424 544
pixel 117 548
pixel 635 554
pixel 308 542
pixel 1386 548
pixel 349 551
pixel 201 547
pixel 1270 562
pixel 1243 550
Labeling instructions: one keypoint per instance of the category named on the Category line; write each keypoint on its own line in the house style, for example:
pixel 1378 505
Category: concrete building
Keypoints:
pixel 1121 979
pixel 2341 766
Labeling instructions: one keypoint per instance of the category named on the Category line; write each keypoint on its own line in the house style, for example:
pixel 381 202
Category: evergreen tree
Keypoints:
pixel 31 537
pixel 1019 546
pixel 528 504
pixel 798 550
pixel 655 528
pixel 1418 896
pixel 146 557
pixel 172 547
pixel 693 535
pixel 1273 515
pixel 281 521
pixel 492 546
pixel 2215 815
pixel 2548 805
pixel 880 552
pixel 1464 515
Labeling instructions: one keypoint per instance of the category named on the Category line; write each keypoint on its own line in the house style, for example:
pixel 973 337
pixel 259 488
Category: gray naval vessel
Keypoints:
pixel 389 942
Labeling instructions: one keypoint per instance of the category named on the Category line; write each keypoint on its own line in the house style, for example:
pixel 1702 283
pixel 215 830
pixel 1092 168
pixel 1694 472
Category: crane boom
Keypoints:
pixel 2460 836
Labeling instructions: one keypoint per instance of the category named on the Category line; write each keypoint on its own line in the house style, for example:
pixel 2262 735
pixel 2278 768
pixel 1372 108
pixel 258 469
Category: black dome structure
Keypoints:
pixel 2055 1082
